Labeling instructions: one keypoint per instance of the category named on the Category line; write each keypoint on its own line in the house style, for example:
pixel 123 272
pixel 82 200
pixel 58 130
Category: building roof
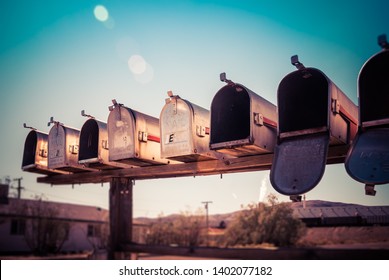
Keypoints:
pixel 66 211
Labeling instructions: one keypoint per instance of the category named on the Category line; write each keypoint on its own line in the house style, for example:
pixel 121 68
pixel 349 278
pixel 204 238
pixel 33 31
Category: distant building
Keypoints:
pixel 42 226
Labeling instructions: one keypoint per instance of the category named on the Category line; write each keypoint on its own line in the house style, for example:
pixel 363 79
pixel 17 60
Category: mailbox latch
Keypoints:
pixel 43 153
pixel 142 136
pixel 73 149
pixel 202 131
pixel 104 144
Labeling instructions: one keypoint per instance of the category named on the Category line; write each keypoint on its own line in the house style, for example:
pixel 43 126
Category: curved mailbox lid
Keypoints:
pixel 368 159
pixel 309 121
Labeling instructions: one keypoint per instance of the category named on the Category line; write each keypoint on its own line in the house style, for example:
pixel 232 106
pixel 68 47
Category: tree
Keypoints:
pixel 265 223
pixel 44 233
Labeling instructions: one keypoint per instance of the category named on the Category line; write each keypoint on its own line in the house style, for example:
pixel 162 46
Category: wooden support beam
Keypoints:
pixel 336 154
pixel 120 214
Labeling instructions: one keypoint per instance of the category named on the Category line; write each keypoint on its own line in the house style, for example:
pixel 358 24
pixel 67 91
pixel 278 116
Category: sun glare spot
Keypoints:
pixel 101 13
pixel 137 64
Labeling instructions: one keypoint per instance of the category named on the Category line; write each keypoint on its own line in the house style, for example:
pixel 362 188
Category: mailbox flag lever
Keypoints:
pixel 295 62
pixel 382 41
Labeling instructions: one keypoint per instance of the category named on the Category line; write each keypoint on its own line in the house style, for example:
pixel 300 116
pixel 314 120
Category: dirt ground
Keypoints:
pixel 347 237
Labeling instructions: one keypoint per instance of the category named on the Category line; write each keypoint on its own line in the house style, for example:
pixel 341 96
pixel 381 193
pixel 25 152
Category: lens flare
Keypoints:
pixel 101 13
pixel 137 64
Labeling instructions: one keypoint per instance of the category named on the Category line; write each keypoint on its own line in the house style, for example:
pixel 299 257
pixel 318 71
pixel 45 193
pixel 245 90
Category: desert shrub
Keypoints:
pixel 184 230
pixel 270 222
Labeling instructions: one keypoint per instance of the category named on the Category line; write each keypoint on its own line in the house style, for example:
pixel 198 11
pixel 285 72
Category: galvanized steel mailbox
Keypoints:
pixel 134 137
pixel 94 147
pixel 35 153
pixel 185 129
pixel 313 113
pixel 63 143
pixel 368 158
pixel 242 122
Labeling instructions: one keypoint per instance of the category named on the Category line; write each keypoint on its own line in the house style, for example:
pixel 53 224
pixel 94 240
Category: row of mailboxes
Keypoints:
pixel 312 114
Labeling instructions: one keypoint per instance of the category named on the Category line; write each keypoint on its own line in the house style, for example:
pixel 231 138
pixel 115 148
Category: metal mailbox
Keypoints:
pixel 35 153
pixel 94 147
pixel 242 122
pixel 134 137
pixel 313 113
pixel 184 131
pixel 63 143
pixel 368 158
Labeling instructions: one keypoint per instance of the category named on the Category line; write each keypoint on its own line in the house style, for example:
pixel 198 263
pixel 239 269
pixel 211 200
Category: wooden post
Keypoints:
pixel 120 214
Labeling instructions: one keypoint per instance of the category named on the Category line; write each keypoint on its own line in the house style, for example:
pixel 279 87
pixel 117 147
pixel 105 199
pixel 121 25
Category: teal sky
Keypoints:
pixel 57 58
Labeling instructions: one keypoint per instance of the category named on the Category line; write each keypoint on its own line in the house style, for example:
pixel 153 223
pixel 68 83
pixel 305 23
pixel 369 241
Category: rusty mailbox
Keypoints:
pixel 313 113
pixel 242 122
pixel 35 153
pixel 134 137
pixel 368 157
pixel 184 131
pixel 63 143
pixel 94 147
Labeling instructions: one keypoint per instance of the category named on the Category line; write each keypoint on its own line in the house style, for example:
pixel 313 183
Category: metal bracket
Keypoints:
pixel 369 190
pixel 172 99
pixel 295 62
pixel 382 41
pixel 30 127
pixel 295 198
pixel 223 78
pixel 86 115
pixel 115 104
pixel 54 122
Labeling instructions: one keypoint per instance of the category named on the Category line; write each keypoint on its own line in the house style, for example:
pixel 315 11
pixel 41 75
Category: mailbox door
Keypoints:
pixel 63 145
pixel 121 130
pixel 57 147
pixel 176 130
pixel 299 164
pixel 301 154
pixel 368 159
pixel 184 131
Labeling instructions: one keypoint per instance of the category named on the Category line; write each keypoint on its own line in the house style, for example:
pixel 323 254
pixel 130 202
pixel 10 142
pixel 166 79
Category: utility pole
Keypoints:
pixel 207 220
pixel 19 187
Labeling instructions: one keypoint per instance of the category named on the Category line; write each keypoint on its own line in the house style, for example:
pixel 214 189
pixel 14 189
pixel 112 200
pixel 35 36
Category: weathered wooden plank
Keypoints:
pixel 261 254
pixel 336 154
